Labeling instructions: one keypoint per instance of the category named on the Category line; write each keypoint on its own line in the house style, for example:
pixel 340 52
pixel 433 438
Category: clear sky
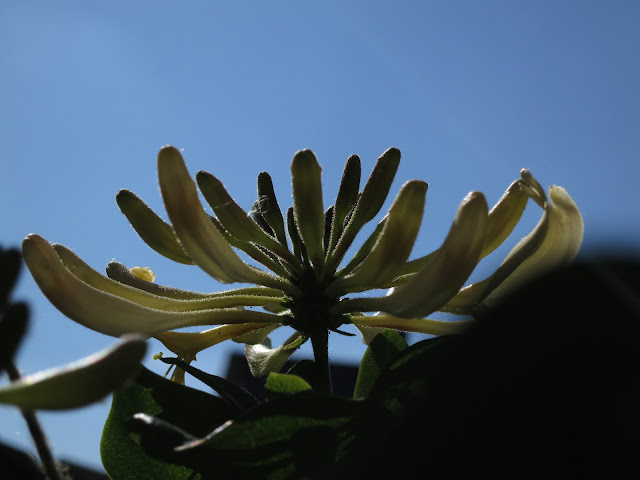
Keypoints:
pixel 469 91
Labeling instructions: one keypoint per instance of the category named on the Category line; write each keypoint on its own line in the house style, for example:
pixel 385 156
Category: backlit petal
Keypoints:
pixel 346 199
pixel 251 296
pixel 186 344
pixel 368 205
pixel 554 241
pixel 442 277
pixel 394 244
pixel 308 207
pixel 504 216
pixel 263 359
pixel 199 237
pixel 419 325
pixel 234 219
pixel 111 314
pixel 155 232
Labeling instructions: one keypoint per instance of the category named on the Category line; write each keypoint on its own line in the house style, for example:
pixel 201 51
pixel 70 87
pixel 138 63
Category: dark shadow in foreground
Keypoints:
pixel 546 386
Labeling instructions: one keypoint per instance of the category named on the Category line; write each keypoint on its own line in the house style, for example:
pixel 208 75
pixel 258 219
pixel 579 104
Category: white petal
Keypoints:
pixel 420 325
pixel 307 204
pixel 197 234
pixel 393 245
pixel 111 314
pixel 250 296
pixel 186 344
pixel 554 242
pixel 263 359
pixel 441 278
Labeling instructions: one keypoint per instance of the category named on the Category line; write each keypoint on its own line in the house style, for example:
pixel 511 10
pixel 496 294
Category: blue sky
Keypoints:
pixel 470 92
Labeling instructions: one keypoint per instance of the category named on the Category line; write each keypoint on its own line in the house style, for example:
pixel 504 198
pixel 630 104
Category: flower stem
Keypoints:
pixel 39 438
pixel 320 344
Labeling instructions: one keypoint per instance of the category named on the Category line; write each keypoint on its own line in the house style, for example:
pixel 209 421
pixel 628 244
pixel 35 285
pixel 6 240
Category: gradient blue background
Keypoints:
pixel 470 91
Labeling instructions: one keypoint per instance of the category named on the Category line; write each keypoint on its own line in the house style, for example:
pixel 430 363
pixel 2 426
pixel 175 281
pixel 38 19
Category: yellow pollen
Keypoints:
pixel 143 273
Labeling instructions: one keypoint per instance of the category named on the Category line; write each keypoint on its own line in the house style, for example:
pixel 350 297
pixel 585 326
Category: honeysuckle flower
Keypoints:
pixel 304 282
pixel 554 241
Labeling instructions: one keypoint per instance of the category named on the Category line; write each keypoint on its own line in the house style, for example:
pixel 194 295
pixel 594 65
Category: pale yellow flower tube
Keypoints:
pixel 111 314
pixel 555 241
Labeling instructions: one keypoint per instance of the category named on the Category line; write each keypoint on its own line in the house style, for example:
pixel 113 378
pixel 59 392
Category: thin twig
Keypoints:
pixel 44 452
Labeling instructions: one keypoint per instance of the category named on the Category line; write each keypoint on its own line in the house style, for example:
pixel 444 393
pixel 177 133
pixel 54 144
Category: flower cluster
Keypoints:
pixel 305 283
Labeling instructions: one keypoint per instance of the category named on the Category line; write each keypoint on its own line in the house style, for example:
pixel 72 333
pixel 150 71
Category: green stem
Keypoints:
pixel 320 344
pixel 48 462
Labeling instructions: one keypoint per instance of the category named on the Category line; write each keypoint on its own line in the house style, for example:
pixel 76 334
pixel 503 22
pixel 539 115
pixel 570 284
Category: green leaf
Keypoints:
pixel 383 348
pixel 285 383
pixel 408 374
pixel 307 370
pixel 295 436
pixel 122 457
pixel 78 383
pixel 190 410
pixel 204 413
pixel 159 437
